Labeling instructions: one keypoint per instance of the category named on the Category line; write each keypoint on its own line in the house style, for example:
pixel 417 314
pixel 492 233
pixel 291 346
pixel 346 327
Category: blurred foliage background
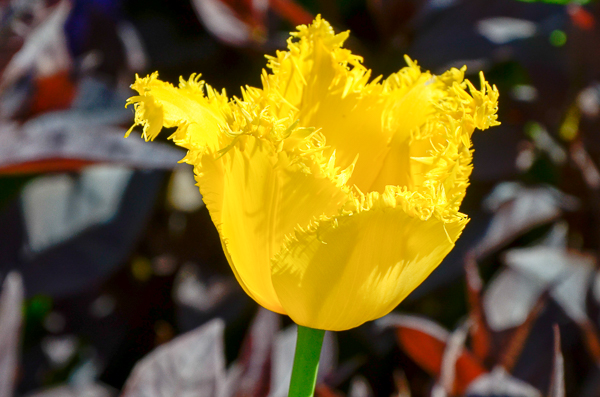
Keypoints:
pixel 114 278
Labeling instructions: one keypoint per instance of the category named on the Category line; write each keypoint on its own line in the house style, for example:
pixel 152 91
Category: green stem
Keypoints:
pixel 306 362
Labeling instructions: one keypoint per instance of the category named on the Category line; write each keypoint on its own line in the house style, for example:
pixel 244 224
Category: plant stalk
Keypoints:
pixel 306 362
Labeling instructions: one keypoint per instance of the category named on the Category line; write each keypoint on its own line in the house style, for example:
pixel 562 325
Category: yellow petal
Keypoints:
pixel 199 118
pixel 354 268
pixel 434 119
pixel 256 196
pixel 380 126
pixel 325 86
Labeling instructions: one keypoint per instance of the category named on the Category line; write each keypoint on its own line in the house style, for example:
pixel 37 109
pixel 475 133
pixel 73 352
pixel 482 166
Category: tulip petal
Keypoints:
pixel 326 87
pixel 256 196
pixel 381 126
pixel 434 121
pixel 357 267
pixel 199 118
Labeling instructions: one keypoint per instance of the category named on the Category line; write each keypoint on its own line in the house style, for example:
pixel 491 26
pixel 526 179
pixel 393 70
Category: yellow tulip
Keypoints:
pixel 334 196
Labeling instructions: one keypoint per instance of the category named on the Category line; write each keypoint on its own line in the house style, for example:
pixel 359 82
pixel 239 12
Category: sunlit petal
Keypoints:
pixel 350 269
pixel 255 197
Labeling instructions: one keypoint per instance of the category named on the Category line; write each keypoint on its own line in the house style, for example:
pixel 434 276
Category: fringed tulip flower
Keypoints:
pixel 335 195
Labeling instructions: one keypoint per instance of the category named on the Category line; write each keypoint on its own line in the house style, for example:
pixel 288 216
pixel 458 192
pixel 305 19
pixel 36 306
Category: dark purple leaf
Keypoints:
pixel 550 266
pixel 190 365
pixel 517 209
pixel 586 165
pixel 557 383
pixel 502 30
pixel 480 333
pixel 192 291
pixel 223 22
pixel 499 383
pixel 454 349
pixel 291 11
pixel 359 387
pixel 11 302
pixel 243 23
pixel 183 194
pixel 511 351
pixel 103 211
pixel 45 49
pixel 402 385
pixel 435 350
pixel 255 358
pixel 53 144
pixel 89 390
pixel 508 300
